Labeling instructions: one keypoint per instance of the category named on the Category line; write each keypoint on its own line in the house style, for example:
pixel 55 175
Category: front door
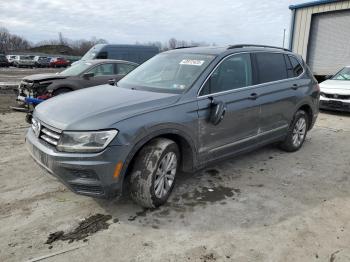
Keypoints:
pixel 102 73
pixel 231 83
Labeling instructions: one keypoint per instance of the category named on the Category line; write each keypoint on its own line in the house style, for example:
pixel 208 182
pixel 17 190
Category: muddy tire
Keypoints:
pixel 153 174
pixel 296 133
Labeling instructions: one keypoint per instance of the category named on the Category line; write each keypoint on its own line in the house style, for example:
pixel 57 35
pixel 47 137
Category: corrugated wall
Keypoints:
pixel 302 23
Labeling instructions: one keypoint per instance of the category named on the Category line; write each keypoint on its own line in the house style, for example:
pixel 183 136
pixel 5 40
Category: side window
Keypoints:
pixel 234 72
pixel 123 69
pixel 103 70
pixel 296 67
pixel 102 55
pixel 271 67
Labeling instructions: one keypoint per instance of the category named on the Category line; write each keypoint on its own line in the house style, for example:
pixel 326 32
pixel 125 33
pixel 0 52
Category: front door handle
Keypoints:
pixel 253 96
pixel 295 86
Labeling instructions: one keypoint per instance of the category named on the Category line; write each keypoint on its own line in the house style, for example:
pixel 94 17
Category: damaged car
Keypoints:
pixel 81 75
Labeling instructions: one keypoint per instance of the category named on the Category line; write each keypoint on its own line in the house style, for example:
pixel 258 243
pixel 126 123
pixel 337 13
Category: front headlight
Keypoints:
pixel 87 142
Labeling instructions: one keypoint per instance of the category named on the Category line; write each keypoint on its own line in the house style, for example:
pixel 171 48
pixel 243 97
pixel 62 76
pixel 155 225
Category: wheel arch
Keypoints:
pixel 309 112
pixel 184 142
pixel 55 88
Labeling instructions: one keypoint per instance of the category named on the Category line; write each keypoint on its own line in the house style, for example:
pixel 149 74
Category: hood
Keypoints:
pixel 43 77
pixel 99 107
pixel 335 87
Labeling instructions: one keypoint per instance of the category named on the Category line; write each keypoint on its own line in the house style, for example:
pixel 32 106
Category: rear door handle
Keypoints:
pixel 295 86
pixel 253 96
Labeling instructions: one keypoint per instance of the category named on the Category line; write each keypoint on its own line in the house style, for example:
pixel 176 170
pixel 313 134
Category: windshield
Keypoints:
pixel 91 54
pixel 343 74
pixel 169 72
pixel 75 69
pixel 23 57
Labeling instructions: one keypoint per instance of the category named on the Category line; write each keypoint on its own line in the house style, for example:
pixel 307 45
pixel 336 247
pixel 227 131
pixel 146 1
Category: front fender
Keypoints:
pixel 54 86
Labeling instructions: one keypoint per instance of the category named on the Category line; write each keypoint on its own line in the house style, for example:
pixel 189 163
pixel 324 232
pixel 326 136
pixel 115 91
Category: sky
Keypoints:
pixel 127 21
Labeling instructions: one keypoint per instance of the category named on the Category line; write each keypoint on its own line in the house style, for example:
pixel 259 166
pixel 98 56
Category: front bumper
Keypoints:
pixel 335 104
pixel 86 174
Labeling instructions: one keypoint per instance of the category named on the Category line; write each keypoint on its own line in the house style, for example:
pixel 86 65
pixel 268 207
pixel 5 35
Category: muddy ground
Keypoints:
pixel 267 205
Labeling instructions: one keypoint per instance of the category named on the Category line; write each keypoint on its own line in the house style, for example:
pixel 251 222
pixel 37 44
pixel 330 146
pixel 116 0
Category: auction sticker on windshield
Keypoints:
pixel 192 62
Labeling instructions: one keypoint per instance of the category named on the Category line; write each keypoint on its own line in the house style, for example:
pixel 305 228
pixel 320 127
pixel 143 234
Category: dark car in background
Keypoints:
pixel 81 75
pixel 3 61
pixel 58 62
pixel 179 111
pixel 133 53
pixel 41 61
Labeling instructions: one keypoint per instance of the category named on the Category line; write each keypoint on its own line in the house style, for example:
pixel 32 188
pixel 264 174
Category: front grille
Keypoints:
pixel 49 135
pixel 336 96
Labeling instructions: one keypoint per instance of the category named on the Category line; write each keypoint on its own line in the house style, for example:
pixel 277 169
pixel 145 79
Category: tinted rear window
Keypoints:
pixel 296 67
pixel 271 67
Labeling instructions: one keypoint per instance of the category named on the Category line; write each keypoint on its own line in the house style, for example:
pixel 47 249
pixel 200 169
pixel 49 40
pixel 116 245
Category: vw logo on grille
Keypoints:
pixel 335 96
pixel 36 127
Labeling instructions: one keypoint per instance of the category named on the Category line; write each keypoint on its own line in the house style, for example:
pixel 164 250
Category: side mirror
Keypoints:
pixel 217 111
pixel 328 77
pixel 112 81
pixel 88 75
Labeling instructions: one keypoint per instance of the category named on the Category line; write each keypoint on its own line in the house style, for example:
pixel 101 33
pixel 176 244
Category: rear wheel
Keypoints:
pixel 153 174
pixel 296 133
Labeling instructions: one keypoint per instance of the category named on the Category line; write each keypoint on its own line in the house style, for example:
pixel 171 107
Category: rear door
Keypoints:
pixel 231 82
pixel 277 90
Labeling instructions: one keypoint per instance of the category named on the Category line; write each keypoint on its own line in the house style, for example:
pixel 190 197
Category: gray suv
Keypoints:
pixel 179 111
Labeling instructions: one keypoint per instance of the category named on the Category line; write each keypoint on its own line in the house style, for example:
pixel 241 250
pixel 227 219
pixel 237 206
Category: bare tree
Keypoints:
pixel 172 43
pixel 11 42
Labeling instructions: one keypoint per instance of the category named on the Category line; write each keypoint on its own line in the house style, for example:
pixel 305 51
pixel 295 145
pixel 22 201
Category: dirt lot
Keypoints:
pixel 264 206
pixel 14 75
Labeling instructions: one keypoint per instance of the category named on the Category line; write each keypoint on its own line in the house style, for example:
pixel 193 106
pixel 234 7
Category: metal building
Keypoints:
pixel 320 32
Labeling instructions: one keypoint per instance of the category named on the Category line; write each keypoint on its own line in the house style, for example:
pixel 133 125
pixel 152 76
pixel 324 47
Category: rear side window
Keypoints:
pixel 102 55
pixel 270 67
pixel 296 68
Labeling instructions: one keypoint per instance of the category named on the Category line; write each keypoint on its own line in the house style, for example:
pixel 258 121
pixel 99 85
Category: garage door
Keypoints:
pixel 329 43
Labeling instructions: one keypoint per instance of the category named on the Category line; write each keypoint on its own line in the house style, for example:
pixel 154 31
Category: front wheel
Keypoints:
pixel 153 174
pixel 296 133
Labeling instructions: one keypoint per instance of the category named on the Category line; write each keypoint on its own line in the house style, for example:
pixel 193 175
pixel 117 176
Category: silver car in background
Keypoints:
pixel 23 61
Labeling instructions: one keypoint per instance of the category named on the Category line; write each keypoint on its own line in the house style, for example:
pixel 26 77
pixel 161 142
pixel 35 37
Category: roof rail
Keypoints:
pixel 264 46
pixel 181 47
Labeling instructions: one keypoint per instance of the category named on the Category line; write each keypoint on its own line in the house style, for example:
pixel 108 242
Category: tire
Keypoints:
pixel 151 181
pixel 61 91
pixel 297 132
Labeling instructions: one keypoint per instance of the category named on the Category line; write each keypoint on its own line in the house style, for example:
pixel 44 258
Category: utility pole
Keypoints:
pixel 284 36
